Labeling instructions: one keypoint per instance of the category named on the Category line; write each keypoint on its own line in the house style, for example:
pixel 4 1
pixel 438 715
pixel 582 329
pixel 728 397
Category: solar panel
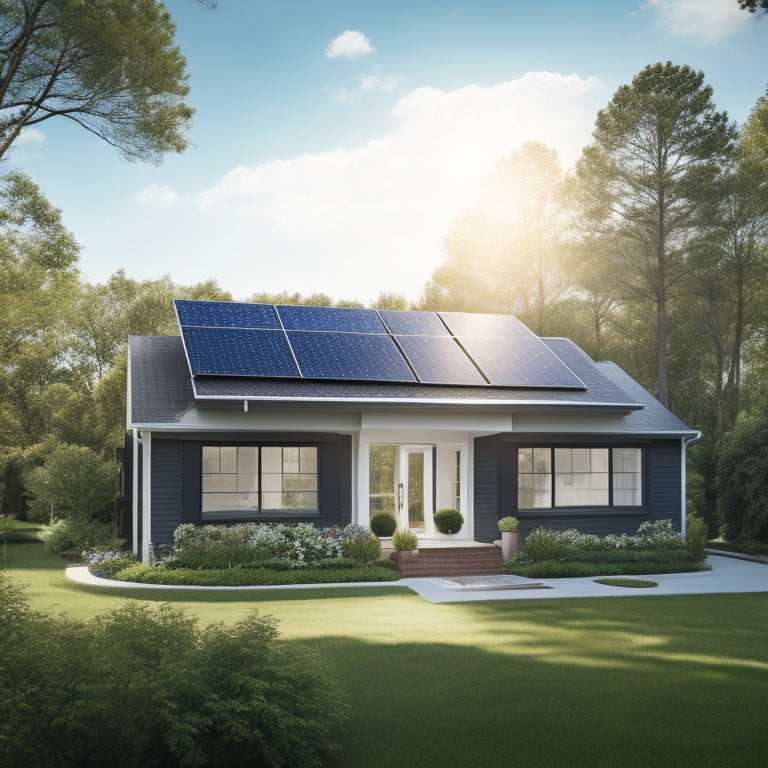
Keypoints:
pixel 338 319
pixel 226 314
pixel 439 360
pixel 413 323
pixel 520 362
pixel 462 324
pixel 238 352
pixel 351 356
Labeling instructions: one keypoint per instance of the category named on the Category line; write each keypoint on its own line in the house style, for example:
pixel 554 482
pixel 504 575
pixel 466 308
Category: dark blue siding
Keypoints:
pixel 496 490
pixel 166 489
pixel 486 488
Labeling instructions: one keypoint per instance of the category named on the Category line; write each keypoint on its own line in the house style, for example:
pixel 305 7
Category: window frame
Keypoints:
pixel 260 513
pixel 552 475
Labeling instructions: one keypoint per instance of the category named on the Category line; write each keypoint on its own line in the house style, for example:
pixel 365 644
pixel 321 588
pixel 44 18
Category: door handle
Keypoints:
pixel 400 496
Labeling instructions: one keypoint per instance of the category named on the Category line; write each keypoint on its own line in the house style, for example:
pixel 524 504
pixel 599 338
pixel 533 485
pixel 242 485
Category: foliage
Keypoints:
pixel 75 537
pixel 364 549
pixel 742 477
pixel 403 539
pixel 554 569
pixel 448 520
pixel 73 483
pixel 337 572
pixel 113 68
pixel 655 144
pixel 508 523
pixel 107 563
pixel 696 536
pixel 383 524
pixel 144 686
pixel 750 547
pixel 548 544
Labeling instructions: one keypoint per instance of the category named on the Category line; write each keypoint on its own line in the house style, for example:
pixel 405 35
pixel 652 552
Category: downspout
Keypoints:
pixel 135 492
pixel 146 494
pixel 683 477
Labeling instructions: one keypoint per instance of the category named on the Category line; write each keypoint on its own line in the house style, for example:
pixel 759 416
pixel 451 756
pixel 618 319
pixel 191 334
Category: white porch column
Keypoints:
pixel 361 507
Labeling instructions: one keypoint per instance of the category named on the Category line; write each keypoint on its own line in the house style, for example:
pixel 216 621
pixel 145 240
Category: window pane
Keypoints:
pixel 210 458
pixel 542 460
pixel 272 459
pixel 581 477
pixel 627 477
pixel 247 460
pixel 228 457
pixel 248 483
pixel 308 459
pixel 271 483
pixel 534 478
pixel 213 483
pixel 525 459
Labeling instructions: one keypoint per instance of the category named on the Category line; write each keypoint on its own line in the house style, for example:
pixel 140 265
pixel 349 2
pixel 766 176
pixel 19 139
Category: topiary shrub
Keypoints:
pixel 403 539
pixel 383 524
pixel 448 520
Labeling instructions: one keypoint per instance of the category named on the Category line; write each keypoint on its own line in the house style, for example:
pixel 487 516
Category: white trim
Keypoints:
pixel 146 496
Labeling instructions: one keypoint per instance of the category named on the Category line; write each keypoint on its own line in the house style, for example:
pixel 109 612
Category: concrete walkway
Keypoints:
pixel 727 575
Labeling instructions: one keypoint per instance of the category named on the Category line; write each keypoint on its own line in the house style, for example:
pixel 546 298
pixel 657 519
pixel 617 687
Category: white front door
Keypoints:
pixel 414 495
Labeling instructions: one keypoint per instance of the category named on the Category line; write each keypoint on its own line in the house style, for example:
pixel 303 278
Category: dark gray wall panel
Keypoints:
pixel 166 489
pixel 486 488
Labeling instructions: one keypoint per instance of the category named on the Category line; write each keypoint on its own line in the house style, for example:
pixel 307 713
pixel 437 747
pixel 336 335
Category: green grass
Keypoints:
pixel 633 583
pixel 647 681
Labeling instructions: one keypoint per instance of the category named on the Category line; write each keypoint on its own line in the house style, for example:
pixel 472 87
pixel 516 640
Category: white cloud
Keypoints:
pixel 157 196
pixel 353 222
pixel 708 21
pixel 375 82
pixel 349 44
pixel 29 137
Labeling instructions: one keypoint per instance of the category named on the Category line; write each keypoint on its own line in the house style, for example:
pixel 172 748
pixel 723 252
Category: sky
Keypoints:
pixel 334 143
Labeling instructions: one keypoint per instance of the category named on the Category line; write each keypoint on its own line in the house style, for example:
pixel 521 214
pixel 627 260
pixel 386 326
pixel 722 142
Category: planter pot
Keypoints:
pixel 509 541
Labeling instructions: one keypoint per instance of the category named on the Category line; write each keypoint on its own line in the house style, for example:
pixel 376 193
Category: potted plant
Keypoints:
pixel 448 521
pixel 406 543
pixel 509 528
pixel 383 524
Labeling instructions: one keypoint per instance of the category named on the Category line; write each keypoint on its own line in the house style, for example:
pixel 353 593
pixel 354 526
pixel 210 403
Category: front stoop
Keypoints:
pixel 453 561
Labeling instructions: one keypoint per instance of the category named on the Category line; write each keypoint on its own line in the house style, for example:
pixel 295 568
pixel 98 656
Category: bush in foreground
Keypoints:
pixel 71 538
pixel 144 686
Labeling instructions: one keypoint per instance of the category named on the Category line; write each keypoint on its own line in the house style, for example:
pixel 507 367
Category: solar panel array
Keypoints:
pixel 366 345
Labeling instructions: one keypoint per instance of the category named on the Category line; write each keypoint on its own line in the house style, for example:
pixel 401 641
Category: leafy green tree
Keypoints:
pixel 742 477
pixel 73 483
pixel 110 66
pixel 656 142
pixel 507 252
pixel 390 300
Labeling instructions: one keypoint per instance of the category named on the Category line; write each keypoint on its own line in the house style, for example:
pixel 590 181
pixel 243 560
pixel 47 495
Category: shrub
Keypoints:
pixel 145 687
pixel 508 523
pixel 107 564
pixel 74 538
pixel 403 539
pixel 553 569
pixel 364 549
pixel 448 520
pixel 383 524
pixel 543 544
pixel 696 536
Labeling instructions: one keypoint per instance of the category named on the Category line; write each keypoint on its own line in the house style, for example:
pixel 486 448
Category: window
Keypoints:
pixel 583 477
pixel 243 481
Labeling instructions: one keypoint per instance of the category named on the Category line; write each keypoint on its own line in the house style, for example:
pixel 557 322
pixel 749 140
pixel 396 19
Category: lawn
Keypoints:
pixel 646 681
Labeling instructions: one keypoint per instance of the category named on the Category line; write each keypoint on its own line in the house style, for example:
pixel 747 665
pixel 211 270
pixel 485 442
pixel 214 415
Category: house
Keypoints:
pixel 321 414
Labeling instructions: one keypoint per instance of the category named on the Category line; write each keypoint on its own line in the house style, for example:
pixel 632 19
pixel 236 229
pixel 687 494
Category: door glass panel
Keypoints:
pixel 381 479
pixel 416 491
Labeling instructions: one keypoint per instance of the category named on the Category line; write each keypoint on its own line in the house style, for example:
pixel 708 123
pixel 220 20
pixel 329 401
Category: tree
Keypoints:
pixel 110 66
pixel 753 5
pixel 506 253
pixel 657 141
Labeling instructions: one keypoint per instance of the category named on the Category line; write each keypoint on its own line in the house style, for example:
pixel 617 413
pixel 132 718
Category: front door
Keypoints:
pixel 414 489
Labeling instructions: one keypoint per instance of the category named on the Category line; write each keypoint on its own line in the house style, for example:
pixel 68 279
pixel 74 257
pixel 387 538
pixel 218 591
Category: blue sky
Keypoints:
pixel 334 143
